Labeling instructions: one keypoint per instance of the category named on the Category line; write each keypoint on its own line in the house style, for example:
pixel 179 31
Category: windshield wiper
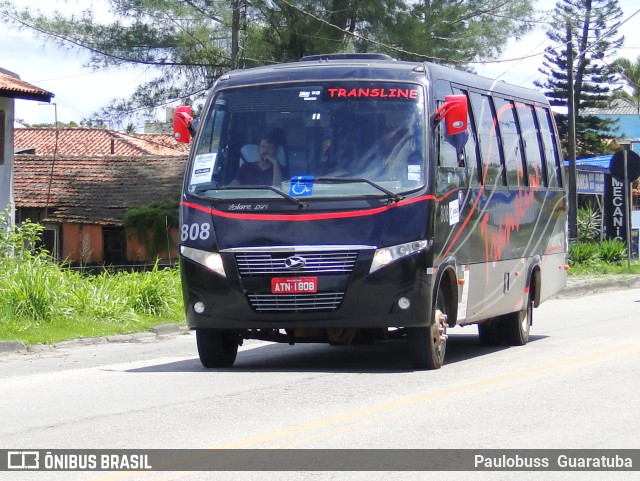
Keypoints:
pixel 348 180
pixel 298 202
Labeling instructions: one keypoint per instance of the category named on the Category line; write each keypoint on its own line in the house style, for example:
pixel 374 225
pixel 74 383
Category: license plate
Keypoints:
pixel 294 285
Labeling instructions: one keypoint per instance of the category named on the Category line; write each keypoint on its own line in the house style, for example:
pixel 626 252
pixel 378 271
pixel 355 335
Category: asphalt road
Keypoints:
pixel 575 385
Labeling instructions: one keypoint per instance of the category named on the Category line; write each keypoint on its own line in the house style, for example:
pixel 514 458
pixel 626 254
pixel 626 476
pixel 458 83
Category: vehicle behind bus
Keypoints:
pixel 348 199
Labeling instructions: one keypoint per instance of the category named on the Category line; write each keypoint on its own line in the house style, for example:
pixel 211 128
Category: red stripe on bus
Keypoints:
pixel 553 249
pixel 306 217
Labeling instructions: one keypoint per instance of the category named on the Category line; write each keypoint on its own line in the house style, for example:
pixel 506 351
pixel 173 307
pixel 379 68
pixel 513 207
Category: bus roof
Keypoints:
pixel 359 67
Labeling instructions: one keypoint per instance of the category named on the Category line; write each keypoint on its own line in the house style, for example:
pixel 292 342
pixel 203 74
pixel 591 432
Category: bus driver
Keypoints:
pixel 266 170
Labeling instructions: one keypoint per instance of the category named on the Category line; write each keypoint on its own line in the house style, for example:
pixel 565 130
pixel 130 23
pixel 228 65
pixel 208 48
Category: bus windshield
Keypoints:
pixel 330 139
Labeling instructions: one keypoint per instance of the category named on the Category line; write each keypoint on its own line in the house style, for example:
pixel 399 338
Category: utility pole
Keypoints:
pixel 235 33
pixel 572 194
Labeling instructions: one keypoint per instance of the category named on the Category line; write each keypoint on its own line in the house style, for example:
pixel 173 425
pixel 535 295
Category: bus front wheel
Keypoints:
pixel 427 345
pixel 217 348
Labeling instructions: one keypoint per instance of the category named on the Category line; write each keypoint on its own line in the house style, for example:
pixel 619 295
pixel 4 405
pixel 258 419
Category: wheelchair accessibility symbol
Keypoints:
pixel 301 185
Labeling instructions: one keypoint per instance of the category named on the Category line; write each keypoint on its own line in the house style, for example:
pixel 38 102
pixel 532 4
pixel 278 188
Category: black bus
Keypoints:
pixel 354 198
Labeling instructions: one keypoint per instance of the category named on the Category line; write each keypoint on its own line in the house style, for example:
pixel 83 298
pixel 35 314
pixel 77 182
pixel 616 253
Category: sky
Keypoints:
pixel 80 92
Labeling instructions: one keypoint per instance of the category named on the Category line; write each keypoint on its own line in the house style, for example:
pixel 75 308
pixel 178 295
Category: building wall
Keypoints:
pixel 82 243
pixel 137 252
pixel 628 125
pixel 6 159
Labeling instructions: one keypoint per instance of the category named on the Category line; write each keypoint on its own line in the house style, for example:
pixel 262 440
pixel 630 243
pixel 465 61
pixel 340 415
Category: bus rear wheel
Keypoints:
pixel 490 333
pixel 427 345
pixel 515 327
pixel 217 348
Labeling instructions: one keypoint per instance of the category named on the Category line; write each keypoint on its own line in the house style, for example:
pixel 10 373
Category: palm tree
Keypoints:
pixel 630 73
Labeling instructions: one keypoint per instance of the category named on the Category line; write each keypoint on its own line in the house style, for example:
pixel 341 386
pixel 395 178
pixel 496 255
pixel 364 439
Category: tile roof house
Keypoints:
pixel 82 193
pixel 84 141
pixel 83 200
pixel 11 88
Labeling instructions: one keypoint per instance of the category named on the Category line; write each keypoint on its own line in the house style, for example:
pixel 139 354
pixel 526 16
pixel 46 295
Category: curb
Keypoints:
pixel 12 346
pixel 166 329
pixel 593 285
pixel 155 333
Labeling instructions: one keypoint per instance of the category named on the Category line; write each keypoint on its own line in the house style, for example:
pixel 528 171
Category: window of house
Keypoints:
pixel 50 241
pixel 115 245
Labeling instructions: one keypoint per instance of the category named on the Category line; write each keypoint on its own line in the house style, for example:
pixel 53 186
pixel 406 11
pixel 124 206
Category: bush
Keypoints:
pixel 44 301
pixel 153 223
pixel 149 292
pixel 592 253
pixel 583 253
pixel 588 223
pixel 613 251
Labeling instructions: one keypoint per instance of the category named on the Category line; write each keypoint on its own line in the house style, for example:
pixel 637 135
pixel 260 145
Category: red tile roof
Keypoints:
pixel 94 190
pixel 14 88
pixel 89 142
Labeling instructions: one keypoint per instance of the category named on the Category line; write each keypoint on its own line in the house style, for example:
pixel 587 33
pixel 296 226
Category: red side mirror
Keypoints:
pixel 455 112
pixel 181 122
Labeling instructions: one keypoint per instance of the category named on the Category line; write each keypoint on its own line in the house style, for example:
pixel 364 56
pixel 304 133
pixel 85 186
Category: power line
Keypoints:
pixel 606 34
pixel 519 61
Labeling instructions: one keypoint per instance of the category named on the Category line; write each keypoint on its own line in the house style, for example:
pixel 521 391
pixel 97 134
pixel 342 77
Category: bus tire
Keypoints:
pixel 427 345
pixel 515 327
pixel 217 348
pixel 490 333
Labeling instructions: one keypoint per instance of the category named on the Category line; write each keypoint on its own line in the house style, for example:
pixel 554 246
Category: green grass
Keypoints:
pixel 598 268
pixel 600 258
pixel 42 302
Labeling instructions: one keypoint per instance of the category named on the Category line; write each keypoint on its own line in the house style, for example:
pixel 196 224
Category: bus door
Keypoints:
pixel 451 236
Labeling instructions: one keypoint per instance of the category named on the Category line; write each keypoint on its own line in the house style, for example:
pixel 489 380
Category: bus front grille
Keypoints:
pixel 318 302
pixel 318 262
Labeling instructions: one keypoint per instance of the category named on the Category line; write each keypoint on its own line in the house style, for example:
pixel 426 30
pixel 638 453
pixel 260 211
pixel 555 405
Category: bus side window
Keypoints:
pixel 534 155
pixel 550 147
pixel 505 113
pixel 451 173
pixel 471 150
pixel 210 142
pixel 488 140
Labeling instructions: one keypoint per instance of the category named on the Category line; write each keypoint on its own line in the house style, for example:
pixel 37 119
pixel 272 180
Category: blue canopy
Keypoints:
pixel 600 163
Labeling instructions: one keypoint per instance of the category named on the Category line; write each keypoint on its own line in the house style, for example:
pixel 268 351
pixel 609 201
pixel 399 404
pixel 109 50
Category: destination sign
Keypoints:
pixel 391 92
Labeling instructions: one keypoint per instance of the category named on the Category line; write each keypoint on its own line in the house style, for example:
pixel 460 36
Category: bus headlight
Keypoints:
pixel 211 260
pixel 387 255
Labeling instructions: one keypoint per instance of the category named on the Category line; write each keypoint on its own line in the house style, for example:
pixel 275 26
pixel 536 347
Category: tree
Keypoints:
pixel 455 33
pixel 630 73
pixel 52 125
pixel 185 42
pixel 449 32
pixel 593 25
pixel 188 42
pixel 87 124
